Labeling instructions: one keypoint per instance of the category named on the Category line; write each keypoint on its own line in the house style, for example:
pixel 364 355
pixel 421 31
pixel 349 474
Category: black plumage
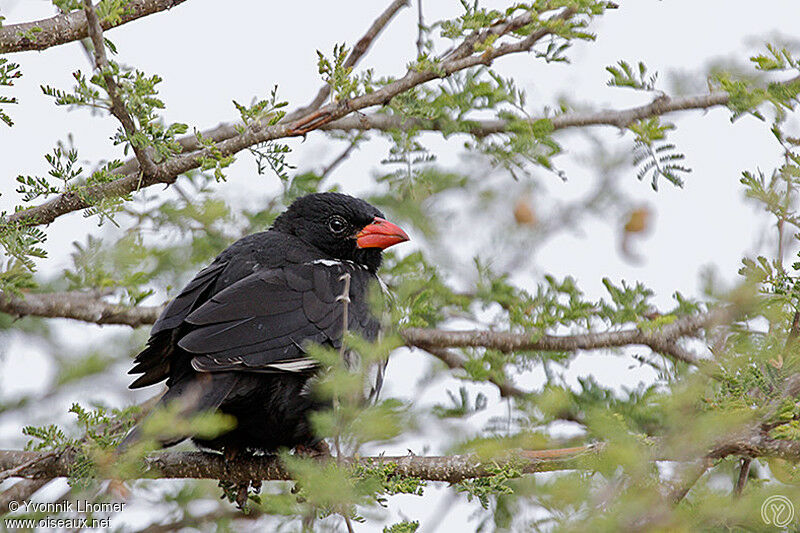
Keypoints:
pixel 234 339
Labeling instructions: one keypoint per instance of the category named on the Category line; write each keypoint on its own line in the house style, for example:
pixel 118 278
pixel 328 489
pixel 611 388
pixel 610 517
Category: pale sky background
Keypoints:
pixel 211 52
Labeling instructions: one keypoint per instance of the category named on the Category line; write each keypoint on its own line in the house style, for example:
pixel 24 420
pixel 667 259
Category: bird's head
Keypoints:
pixel 341 226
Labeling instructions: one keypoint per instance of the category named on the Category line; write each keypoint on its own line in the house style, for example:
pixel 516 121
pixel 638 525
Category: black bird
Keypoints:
pixel 234 339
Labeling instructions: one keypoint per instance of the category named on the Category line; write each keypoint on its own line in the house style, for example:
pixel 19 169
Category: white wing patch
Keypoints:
pixel 335 262
pixel 326 262
pixel 295 365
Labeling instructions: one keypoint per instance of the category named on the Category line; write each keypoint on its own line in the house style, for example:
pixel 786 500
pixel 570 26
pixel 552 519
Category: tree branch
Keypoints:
pixel 455 361
pixel 203 465
pixel 20 491
pixel 82 306
pixel 330 167
pixel 89 307
pixel 257 132
pixel 661 339
pixel 69 27
pixel 620 118
pixel 450 469
pixel 118 108
pixel 358 51
pixel 25 488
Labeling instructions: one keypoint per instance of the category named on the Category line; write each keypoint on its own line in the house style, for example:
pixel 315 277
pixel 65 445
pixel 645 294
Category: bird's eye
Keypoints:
pixel 337 224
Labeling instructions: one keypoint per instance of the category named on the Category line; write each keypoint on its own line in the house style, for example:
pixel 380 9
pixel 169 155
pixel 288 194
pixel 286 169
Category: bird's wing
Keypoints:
pixel 263 322
pixel 154 361
pixel 183 304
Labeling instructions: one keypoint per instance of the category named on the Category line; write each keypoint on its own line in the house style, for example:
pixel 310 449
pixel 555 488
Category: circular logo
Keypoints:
pixel 777 511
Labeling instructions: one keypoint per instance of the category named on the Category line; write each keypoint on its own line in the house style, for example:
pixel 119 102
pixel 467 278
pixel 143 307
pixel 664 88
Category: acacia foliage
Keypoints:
pixel 628 484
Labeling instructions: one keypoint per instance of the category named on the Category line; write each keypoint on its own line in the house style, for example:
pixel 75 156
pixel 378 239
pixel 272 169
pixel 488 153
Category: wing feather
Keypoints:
pixel 263 322
pixel 183 304
pixel 154 362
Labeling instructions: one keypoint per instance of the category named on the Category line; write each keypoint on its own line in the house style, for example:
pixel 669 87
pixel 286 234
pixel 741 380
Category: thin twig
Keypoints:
pixel 691 476
pixel 420 29
pixel 345 299
pixel 340 158
pixel 118 108
pixel 744 474
pixel 358 51
pixel 455 361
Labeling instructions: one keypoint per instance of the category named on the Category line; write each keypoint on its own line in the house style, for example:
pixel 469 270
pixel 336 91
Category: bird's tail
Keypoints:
pixel 188 397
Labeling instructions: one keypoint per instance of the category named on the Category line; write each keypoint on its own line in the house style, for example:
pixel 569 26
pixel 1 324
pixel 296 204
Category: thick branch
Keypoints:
pixel 69 27
pixel 620 118
pixel 450 469
pixel 89 307
pixel 256 133
pixel 661 339
pixel 78 306
pixel 201 465
pixel 757 443
pixel 20 491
